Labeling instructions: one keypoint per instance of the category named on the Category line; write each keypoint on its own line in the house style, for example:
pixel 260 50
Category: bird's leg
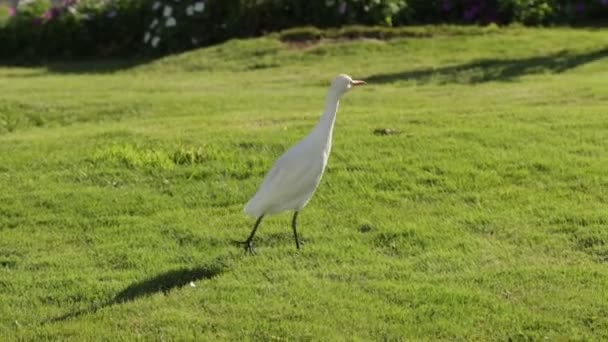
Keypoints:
pixel 249 242
pixel 295 232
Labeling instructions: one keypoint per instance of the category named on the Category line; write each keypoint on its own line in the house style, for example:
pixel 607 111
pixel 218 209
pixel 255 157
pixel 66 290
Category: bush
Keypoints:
pixel 302 34
pixel 172 26
pixel 37 31
pixel 84 28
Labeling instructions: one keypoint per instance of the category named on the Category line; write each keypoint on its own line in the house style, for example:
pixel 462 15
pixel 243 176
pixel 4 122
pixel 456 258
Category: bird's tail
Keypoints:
pixel 250 209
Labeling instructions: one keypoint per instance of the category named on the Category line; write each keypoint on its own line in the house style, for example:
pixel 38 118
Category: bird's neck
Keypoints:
pixel 324 129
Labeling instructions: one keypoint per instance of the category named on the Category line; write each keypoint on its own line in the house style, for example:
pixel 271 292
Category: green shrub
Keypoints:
pixel 85 28
pixel 299 34
pixel 173 26
pixel 5 14
pixel 530 12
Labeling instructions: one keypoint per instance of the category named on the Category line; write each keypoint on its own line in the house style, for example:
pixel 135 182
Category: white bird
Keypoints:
pixel 294 177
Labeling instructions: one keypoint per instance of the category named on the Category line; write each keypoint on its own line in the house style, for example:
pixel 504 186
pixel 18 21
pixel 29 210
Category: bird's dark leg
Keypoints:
pixel 295 232
pixel 249 242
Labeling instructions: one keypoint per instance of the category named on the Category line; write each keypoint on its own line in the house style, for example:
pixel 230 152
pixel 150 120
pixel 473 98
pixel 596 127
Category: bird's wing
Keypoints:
pixel 290 175
pixel 266 195
pixel 277 177
pixel 284 168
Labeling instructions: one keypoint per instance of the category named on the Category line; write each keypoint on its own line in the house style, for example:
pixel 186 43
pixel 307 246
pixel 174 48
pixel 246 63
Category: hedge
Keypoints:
pixel 36 32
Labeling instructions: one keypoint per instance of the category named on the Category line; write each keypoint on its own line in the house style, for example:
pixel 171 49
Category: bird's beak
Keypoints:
pixel 357 83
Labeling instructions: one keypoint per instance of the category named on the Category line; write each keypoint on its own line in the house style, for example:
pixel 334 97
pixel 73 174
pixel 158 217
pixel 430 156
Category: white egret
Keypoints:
pixel 294 177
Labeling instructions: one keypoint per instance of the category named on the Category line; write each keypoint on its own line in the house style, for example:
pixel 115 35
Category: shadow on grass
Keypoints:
pixel 161 283
pixel 486 70
pixel 96 67
pixel 92 66
pixel 165 282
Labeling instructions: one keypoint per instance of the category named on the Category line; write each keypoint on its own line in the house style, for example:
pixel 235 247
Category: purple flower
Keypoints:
pixel 604 2
pixel 471 12
pixel 447 5
pixel 47 15
pixel 11 11
pixel 51 13
pixel 342 8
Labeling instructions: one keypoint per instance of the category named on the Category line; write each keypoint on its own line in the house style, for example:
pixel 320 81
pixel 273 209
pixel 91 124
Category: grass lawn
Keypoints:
pixel 483 215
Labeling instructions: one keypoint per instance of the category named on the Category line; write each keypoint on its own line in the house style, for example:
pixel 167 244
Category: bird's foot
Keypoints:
pixel 248 246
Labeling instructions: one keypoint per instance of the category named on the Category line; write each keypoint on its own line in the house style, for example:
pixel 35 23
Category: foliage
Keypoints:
pixel 37 31
pixel 78 28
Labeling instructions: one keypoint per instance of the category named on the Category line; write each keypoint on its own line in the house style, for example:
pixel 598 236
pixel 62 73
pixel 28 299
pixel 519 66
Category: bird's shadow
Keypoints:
pixel 162 283
pixel 165 282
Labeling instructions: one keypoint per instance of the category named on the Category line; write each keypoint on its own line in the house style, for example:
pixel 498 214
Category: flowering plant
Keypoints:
pixel 6 12
pixel 75 28
pixel 366 11
pixel 529 12
pixel 71 28
pixel 174 24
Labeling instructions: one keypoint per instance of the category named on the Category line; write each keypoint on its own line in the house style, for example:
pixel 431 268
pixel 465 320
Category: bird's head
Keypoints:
pixel 343 83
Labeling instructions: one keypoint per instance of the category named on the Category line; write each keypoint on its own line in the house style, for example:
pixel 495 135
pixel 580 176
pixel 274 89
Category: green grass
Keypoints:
pixel 466 195
pixel 303 34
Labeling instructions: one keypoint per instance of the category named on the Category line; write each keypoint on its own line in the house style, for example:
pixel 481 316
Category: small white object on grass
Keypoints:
pixel 293 179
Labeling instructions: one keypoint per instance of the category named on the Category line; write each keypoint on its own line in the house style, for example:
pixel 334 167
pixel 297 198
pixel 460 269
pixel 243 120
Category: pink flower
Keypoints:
pixel 51 13
pixel 47 15
pixel 11 11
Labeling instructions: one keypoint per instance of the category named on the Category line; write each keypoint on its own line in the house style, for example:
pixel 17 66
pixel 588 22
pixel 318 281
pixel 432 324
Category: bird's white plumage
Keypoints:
pixel 294 177
pixel 291 181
